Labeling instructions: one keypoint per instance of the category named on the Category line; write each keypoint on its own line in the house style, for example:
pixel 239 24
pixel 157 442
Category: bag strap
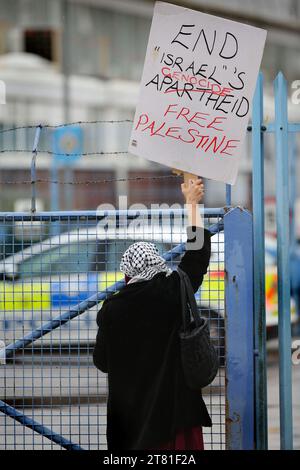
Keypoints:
pixel 188 301
pixel 184 303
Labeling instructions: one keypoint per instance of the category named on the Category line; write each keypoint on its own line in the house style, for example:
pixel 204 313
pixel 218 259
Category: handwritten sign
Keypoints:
pixel 196 91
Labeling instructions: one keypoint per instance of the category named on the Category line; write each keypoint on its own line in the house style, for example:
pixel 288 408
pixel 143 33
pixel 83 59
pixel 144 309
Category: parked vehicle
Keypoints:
pixel 47 278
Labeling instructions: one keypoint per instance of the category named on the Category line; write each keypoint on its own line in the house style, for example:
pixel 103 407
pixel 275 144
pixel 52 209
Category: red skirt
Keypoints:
pixel 189 439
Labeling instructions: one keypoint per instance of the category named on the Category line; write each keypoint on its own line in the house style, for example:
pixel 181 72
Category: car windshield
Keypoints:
pixel 62 259
pixel 79 257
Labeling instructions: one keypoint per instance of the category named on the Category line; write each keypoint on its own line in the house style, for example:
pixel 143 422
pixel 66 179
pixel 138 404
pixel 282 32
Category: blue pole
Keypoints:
pixel 261 415
pixel 37 427
pixel 239 330
pixel 54 187
pixel 283 264
pixel 293 232
pixel 33 167
pixel 100 214
pixel 54 227
pixel 293 185
pixel 228 195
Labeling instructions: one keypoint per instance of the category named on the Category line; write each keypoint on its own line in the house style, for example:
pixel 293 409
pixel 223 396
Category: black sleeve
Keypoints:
pixel 195 261
pixel 100 353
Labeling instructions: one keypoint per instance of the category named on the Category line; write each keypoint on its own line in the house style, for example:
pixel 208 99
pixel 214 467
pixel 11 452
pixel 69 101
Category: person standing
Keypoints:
pixel 149 404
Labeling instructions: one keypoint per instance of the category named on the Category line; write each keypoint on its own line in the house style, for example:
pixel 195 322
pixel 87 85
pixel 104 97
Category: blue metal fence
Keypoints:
pixel 284 132
pixel 261 422
pixel 51 394
pixel 48 313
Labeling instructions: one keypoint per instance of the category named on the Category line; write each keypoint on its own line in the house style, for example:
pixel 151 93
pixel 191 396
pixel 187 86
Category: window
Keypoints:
pixel 64 259
pixel 82 257
pixel 39 42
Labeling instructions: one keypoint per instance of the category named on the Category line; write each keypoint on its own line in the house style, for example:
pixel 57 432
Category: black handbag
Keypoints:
pixel 199 357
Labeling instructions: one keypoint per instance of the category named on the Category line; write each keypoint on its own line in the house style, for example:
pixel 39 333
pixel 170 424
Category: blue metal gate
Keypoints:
pixel 51 394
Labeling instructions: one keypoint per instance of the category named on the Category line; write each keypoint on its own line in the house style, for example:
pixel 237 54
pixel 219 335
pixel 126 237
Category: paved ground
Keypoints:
pixel 273 399
pixel 64 384
pixel 68 396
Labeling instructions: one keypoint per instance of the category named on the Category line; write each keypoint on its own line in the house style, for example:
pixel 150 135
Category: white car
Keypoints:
pixel 47 278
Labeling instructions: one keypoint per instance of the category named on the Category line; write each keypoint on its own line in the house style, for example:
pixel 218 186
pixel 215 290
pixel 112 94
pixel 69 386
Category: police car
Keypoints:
pixel 47 278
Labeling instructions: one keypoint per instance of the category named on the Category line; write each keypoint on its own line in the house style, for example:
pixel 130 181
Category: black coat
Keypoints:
pixel 138 345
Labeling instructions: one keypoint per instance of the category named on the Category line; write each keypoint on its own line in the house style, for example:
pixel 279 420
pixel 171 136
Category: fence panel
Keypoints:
pixel 51 288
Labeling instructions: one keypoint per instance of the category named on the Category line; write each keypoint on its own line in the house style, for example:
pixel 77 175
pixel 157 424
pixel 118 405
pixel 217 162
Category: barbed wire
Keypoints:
pixel 11 129
pixel 66 124
pixel 50 152
pixel 87 182
pixel 97 121
pixel 83 154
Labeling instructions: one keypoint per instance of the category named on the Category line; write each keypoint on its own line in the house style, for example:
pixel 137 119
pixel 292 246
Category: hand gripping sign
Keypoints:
pixel 196 91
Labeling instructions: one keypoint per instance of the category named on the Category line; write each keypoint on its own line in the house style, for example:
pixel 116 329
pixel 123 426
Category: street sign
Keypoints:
pixel 67 145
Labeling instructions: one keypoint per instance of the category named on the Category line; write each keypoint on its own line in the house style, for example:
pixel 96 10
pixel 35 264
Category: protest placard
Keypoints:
pixel 197 86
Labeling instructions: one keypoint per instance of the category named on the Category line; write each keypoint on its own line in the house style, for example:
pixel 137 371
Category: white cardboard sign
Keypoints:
pixel 197 86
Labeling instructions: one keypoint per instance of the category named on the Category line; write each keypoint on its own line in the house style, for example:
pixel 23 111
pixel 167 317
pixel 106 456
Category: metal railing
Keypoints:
pixel 51 394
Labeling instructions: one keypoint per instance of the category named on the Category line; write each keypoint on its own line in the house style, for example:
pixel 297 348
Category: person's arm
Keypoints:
pixel 193 192
pixel 195 262
pixel 196 259
pixel 99 353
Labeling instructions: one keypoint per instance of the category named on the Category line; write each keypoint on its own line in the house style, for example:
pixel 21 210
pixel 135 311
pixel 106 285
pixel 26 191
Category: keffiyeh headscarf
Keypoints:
pixel 141 262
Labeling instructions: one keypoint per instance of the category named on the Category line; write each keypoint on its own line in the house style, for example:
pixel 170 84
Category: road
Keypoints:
pixel 68 395
pixel 273 399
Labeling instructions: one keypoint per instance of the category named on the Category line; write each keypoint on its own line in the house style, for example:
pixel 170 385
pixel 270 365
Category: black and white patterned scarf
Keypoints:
pixel 141 262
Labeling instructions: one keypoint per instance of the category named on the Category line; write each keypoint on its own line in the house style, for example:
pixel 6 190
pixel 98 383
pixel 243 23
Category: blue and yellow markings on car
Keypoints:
pixel 25 296
pixel 53 295
pixel 46 295
pixel 213 287
pixel 39 295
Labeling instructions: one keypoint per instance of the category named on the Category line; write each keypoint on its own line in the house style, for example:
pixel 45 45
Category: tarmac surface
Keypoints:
pixel 68 395
pixel 273 399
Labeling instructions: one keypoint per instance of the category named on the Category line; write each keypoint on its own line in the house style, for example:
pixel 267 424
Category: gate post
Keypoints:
pixel 261 410
pixel 283 263
pixel 238 248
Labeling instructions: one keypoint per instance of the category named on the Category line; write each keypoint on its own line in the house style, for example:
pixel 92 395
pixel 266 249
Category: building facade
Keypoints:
pixel 81 60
